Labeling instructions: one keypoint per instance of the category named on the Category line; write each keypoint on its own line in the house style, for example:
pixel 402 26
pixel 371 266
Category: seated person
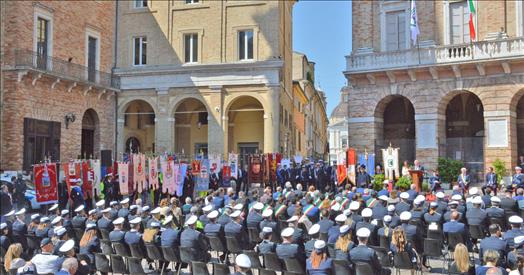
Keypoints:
pixel 462 264
pixel 319 263
pixel 491 257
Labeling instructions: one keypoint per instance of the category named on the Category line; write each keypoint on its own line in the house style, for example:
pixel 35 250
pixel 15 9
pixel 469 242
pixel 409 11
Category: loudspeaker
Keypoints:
pixel 107 156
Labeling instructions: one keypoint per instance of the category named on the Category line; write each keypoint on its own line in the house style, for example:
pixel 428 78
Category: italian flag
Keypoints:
pixel 472 33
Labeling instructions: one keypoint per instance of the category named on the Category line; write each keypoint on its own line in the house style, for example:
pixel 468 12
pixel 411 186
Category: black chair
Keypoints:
pixel 137 251
pixel 272 262
pixel 186 255
pixel 199 268
pixel 102 264
pixel 254 257
pixel 104 233
pixel 220 269
pixel 171 255
pixel 135 265
pixel 217 245
pixel 154 253
pixel 323 236
pixel 435 234
pixel 105 247
pixel 433 249
pixel 233 246
pixel 294 266
pixel 476 232
pixel 263 271
pixel 363 268
pixel 331 250
pixel 453 239
pixel 402 260
pixel 384 242
pixel 79 232
pixel 121 249
pixel 254 235
pixel 84 257
pixel 383 256
pixel 33 242
pixel 118 265
pixel 341 266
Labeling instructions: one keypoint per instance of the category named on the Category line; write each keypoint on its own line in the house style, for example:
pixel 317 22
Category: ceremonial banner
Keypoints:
pixel 195 167
pixel 139 174
pixel 182 170
pixel 71 171
pixel 390 158
pixel 361 160
pixel 298 159
pixel 255 172
pixel 46 186
pixel 370 164
pixel 153 173
pixel 123 177
pixel 87 181
pixel 168 169
pixel 285 163
pixel 352 161
pixel 97 178
pixel 341 167
pixel 214 163
pixel 226 176
pixel 202 178
pixel 233 164
pixel 267 160
pixel 130 175
pixel 176 180
pixel 275 160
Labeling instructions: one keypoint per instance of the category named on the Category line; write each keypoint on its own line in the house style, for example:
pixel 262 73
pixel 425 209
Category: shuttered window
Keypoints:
pixel 396 30
pixel 459 22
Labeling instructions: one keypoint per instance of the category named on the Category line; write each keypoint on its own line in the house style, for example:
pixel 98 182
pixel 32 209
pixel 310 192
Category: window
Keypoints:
pixel 92 45
pixel 41 140
pixel 192 1
pixel 191 47
pixel 140 51
pixel 245 45
pixel 396 30
pixel 459 22
pixel 42 42
pixel 140 3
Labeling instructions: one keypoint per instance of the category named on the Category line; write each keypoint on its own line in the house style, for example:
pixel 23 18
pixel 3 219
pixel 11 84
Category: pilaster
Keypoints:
pixel 164 123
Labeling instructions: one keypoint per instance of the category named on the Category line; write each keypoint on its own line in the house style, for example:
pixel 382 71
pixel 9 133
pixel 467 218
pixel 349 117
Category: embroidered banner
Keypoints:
pixel 123 177
pixel 256 171
pixel 390 158
pixel 182 170
pixel 46 186
pixel 153 173
pixel 202 179
pixel 233 164
pixel 168 183
pixel 139 175
pixel 97 179
pixel 226 176
pixel 72 172
pixel 87 180
pixel 351 162
pixel 341 167
pixel 215 163
pixel 195 167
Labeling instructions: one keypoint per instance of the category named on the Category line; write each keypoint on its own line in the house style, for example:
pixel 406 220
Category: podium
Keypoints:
pixel 416 177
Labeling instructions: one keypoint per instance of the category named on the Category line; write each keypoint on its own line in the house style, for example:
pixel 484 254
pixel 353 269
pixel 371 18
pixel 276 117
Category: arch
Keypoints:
pixel 191 126
pixel 180 100
pixel 245 131
pixel 395 124
pixel 90 141
pixel 132 145
pixel 230 100
pixel 464 130
pixel 139 122
pixel 122 106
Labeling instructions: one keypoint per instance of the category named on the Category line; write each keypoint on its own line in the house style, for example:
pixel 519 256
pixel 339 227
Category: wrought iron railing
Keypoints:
pixel 62 68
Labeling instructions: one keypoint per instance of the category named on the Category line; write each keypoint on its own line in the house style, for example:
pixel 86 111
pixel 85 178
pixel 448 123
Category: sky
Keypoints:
pixel 322 31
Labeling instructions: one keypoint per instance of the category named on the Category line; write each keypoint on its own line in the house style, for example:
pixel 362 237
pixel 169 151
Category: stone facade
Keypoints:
pixel 433 78
pixel 61 85
pixel 242 98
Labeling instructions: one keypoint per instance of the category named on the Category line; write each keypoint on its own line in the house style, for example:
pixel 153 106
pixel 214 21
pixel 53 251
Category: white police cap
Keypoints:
pixel 68 245
pixel 288 232
pixel 363 232
pixel 314 229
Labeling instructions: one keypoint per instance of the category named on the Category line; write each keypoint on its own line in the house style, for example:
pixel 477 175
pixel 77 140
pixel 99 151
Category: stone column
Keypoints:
pixel 271 120
pixel 121 143
pixel 215 130
pixel 164 123
pixel 427 138
pixel 500 140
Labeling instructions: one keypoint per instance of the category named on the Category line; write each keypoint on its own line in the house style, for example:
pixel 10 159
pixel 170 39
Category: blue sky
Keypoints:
pixel 322 31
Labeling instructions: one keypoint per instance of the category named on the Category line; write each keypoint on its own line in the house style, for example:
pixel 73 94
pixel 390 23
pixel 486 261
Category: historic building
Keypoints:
pixel 310 133
pixel 448 95
pixel 58 101
pixel 338 127
pixel 200 76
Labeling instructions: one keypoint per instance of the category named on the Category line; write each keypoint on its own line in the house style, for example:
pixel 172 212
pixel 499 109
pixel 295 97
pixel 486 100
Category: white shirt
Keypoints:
pixel 46 263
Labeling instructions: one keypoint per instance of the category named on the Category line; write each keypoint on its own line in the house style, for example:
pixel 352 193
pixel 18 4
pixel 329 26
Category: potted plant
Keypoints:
pixel 449 169
pixel 378 182
pixel 403 183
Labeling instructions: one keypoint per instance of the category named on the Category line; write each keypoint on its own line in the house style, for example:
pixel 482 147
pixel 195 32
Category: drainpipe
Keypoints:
pixel 115 133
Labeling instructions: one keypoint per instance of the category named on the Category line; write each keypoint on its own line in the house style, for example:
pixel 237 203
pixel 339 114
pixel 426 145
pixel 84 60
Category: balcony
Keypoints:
pixel 26 60
pixel 502 49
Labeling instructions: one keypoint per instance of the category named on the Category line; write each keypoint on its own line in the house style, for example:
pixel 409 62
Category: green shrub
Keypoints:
pixel 425 186
pixel 449 169
pixel 403 183
pixel 378 180
pixel 500 169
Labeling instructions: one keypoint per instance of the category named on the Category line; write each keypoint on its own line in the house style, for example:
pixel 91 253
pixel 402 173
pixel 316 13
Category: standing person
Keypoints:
pixel 363 178
pixel 62 194
pixel 6 203
pixel 464 179
pixel 491 181
pixel 418 166
pixel 19 191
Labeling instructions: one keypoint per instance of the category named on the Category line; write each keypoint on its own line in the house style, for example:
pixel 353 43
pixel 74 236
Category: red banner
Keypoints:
pixel 256 169
pixel 71 171
pixel 87 180
pixel 341 173
pixel 195 167
pixel 45 183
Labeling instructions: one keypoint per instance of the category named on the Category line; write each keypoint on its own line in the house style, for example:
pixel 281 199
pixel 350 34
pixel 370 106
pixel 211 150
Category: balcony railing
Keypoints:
pixel 449 54
pixel 62 68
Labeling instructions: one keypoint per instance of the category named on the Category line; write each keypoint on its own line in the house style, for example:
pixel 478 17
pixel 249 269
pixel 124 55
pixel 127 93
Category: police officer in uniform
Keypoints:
pixel 254 217
pixel 79 221
pixel 494 242
pixel 236 230
pixel 515 231
pixel 334 231
pixel 363 254
pixel 133 236
pixel 266 245
pixel 105 222
pixel 170 236
pixel 288 249
pixel 313 233
pixel 366 216
pixel 195 240
pixel 124 210
pixel 113 214
pixel 117 235
pixel 20 228
pixel 403 205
